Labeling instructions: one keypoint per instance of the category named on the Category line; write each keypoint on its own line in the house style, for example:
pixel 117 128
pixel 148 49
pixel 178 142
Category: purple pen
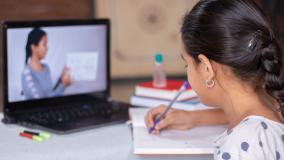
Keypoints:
pixel 162 115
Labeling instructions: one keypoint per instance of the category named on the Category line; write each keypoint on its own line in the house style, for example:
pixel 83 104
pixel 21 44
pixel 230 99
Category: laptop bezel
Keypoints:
pixel 17 107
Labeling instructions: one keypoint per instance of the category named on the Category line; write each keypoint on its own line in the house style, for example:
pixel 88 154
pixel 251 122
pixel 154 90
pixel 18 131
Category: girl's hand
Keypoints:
pixel 65 77
pixel 174 119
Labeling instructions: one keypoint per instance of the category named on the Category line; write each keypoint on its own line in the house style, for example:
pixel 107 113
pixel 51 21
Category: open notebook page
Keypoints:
pixel 198 140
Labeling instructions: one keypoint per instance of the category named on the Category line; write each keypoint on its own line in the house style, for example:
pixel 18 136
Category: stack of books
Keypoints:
pixel 146 95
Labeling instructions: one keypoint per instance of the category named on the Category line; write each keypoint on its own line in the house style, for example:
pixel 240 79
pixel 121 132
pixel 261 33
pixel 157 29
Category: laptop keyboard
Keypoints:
pixel 70 113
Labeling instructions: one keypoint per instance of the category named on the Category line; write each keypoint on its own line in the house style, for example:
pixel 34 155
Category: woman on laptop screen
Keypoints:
pixel 36 77
pixel 235 64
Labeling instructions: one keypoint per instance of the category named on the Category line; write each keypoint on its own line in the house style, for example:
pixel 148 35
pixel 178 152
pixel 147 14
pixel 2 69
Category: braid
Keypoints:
pixel 271 65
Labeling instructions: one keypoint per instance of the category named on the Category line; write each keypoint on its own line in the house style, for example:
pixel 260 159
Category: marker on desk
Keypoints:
pixel 33 137
pixel 162 115
pixel 42 135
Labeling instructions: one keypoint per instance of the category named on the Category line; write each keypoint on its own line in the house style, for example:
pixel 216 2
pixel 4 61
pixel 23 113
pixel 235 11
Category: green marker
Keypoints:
pixel 30 136
pixel 42 135
pixel 37 138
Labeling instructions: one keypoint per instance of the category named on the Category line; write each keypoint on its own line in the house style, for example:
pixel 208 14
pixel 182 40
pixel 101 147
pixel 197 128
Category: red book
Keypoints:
pixel 147 89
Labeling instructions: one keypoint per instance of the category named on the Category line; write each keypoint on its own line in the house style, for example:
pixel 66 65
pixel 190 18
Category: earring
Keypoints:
pixel 210 83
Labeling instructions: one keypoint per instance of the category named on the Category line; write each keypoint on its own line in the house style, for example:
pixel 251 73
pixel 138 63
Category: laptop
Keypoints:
pixel 57 75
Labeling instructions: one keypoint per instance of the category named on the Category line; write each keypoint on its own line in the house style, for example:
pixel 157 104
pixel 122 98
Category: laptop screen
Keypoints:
pixel 55 61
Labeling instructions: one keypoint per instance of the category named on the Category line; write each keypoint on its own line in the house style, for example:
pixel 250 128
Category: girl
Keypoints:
pixel 234 63
pixel 36 78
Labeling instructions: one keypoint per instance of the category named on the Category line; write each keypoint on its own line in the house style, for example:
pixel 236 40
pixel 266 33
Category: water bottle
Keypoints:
pixel 159 77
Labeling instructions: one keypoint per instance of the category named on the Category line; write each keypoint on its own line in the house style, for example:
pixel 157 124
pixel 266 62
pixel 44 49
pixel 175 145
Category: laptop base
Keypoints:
pixel 66 120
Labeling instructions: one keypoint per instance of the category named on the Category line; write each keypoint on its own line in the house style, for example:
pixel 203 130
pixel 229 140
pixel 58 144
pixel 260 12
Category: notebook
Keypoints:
pixel 198 140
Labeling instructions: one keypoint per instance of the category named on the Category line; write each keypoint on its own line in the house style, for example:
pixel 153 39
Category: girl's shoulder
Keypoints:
pixel 253 135
pixel 259 121
pixel 259 126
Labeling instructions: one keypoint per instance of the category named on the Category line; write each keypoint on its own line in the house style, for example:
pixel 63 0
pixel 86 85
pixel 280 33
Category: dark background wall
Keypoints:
pixel 45 9
pixel 276 12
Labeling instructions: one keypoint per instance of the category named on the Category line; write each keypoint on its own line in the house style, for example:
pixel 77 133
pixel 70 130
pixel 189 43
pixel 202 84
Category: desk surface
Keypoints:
pixel 106 143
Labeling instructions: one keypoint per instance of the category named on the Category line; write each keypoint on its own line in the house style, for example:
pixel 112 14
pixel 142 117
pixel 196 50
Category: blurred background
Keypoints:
pixel 140 28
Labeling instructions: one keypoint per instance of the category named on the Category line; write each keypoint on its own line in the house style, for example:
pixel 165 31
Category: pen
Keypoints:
pixel 43 135
pixel 162 115
pixel 30 136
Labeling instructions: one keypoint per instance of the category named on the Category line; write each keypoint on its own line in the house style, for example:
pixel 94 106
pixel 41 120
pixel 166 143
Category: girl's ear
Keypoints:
pixel 208 66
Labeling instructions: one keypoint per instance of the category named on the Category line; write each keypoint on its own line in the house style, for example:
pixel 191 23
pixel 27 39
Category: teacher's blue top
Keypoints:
pixel 38 84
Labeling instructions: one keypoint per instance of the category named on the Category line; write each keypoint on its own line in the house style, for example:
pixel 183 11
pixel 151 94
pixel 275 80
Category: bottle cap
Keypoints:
pixel 159 58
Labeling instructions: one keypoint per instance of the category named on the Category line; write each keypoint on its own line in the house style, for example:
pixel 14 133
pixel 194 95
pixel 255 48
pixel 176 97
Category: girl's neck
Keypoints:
pixel 238 105
pixel 34 64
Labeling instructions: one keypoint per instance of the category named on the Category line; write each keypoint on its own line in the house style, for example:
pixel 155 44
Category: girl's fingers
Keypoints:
pixel 164 123
pixel 149 118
